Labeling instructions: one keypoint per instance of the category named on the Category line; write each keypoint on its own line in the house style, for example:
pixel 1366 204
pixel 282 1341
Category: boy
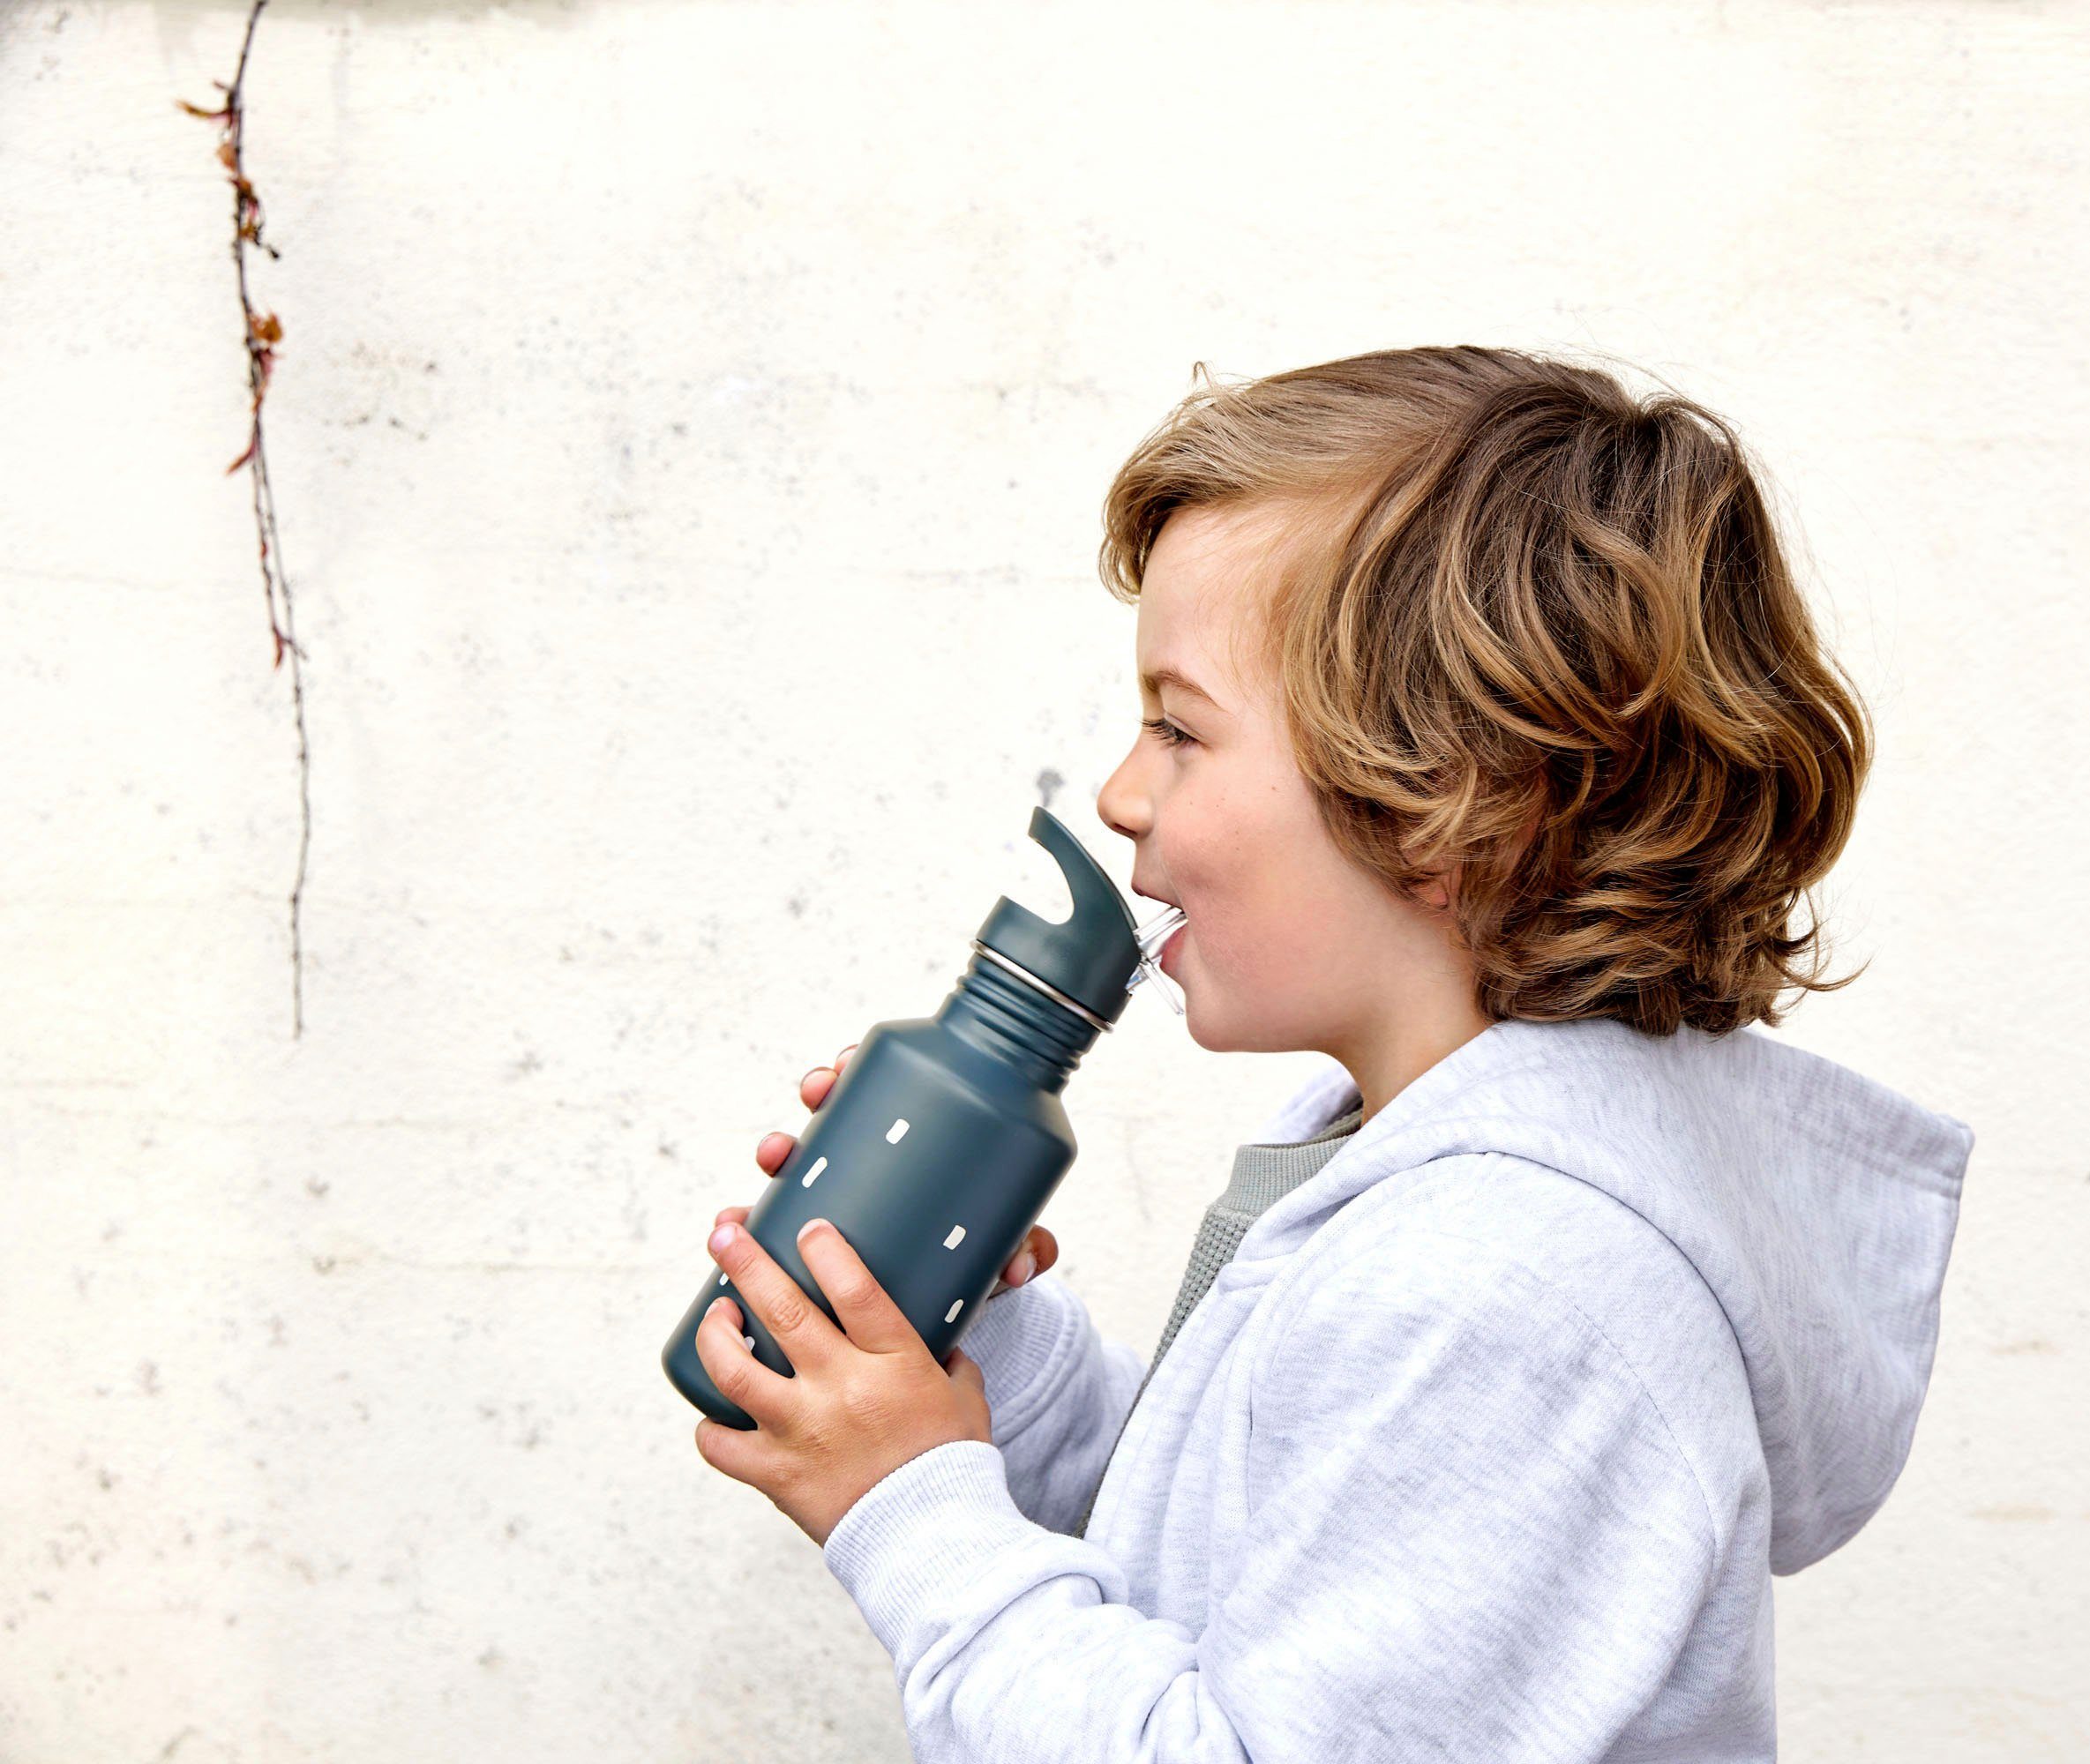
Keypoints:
pixel 1489 750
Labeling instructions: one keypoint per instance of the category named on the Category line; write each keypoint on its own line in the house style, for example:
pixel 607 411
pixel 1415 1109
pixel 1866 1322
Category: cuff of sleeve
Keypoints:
pixel 1020 1338
pixel 922 1530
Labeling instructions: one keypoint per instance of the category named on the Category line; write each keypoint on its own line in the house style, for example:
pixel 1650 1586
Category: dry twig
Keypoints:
pixel 263 333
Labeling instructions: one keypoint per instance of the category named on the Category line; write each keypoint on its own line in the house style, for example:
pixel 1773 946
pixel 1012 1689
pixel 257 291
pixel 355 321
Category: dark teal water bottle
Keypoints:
pixel 944 1137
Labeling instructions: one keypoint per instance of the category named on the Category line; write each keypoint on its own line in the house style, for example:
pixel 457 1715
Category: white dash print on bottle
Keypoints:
pixel 819 1164
pixel 957 1305
pixel 896 1133
pixel 956 1237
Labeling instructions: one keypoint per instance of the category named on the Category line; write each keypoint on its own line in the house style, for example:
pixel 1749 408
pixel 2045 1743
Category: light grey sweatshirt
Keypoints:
pixel 1485 1444
pixel 1263 1175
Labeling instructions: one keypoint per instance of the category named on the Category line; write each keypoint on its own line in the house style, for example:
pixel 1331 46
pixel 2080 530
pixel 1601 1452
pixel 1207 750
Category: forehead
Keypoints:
pixel 1204 580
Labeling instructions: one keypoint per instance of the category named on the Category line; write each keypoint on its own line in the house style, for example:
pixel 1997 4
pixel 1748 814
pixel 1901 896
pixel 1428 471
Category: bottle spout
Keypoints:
pixel 1150 936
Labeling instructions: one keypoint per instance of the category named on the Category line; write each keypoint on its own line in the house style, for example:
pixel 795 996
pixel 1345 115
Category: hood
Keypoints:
pixel 1816 1205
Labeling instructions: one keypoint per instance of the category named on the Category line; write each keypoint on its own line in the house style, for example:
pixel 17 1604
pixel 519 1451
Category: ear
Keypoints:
pixel 1440 891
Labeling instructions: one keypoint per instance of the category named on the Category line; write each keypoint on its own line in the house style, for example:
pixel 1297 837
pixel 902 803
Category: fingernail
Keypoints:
pixel 720 1238
pixel 808 1226
pixel 1026 1266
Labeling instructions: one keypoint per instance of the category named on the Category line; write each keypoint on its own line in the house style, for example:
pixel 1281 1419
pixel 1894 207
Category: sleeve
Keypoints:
pixel 1057 1395
pixel 1468 1533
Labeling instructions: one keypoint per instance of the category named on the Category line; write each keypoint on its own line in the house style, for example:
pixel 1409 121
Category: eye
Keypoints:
pixel 1168 731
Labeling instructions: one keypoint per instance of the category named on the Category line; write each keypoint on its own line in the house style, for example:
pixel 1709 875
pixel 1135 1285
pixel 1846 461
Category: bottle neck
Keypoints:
pixel 1009 1020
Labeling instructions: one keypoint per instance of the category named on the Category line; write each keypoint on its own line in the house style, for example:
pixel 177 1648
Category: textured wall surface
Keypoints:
pixel 687 438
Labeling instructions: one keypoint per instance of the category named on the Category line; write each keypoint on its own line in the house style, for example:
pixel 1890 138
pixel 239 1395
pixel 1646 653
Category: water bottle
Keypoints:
pixel 938 1145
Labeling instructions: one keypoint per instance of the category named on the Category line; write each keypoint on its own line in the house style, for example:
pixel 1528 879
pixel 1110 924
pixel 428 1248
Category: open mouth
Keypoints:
pixel 1154 938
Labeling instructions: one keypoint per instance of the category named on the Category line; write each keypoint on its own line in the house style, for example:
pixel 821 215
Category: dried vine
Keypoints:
pixel 263 333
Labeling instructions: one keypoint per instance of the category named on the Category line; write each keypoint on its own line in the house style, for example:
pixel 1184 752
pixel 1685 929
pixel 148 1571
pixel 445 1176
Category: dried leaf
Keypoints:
pixel 243 459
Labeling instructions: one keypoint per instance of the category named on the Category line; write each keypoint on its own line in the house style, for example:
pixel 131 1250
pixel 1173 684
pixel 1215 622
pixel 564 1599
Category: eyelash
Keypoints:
pixel 1168 731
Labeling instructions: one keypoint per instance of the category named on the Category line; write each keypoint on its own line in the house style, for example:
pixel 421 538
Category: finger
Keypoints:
pixel 748 1455
pixel 1038 1252
pixel 737 1451
pixel 814 1087
pixel 801 1328
pixel 868 1314
pixel 737 1214
pixel 964 1369
pixel 740 1378
pixel 772 1150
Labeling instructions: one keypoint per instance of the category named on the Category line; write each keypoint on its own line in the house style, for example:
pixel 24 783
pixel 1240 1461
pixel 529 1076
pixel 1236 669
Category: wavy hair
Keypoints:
pixel 1540 634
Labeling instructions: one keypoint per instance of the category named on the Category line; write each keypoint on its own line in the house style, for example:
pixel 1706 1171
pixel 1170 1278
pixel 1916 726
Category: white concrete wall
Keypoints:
pixel 688 437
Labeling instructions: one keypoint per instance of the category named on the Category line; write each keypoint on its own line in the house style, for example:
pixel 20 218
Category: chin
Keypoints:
pixel 1265 1032
pixel 1210 1028
pixel 1210 1036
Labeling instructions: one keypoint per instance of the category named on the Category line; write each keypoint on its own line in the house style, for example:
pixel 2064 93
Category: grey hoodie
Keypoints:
pixel 1486 1444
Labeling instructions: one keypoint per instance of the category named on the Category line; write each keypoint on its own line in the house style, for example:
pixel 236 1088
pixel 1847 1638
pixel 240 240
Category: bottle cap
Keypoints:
pixel 1098 952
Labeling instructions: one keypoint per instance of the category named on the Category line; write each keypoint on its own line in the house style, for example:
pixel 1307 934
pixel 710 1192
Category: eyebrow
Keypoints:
pixel 1168 677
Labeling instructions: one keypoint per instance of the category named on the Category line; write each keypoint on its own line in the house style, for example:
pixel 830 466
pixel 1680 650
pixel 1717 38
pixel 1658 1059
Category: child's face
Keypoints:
pixel 1288 944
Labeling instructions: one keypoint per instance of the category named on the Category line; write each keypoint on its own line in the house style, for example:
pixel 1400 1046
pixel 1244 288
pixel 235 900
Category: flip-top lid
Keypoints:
pixel 1092 954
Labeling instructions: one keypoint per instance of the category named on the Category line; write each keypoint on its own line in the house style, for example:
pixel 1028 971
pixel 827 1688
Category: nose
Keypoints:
pixel 1122 804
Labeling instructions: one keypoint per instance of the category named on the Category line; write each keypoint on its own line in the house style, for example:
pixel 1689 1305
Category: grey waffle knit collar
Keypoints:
pixel 1264 1174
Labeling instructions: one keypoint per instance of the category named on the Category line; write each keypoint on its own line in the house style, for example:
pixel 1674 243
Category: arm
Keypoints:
pixel 1469 1534
pixel 1058 1393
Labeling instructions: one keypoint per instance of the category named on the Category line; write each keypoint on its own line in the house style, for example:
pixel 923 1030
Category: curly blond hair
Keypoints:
pixel 1538 633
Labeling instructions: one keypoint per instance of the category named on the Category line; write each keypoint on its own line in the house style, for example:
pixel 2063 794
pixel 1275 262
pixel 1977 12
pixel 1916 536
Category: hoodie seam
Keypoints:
pixel 1367 1241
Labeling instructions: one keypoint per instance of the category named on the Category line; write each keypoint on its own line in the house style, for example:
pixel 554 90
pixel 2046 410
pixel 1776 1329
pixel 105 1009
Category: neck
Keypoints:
pixel 1388 1056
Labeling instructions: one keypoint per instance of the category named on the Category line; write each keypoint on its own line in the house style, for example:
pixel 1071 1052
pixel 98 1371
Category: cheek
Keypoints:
pixel 1253 944
pixel 1261 918
pixel 1254 979
pixel 1244 922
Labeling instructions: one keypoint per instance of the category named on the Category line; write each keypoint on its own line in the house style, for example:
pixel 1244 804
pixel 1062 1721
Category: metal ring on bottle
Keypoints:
pixel 1050 990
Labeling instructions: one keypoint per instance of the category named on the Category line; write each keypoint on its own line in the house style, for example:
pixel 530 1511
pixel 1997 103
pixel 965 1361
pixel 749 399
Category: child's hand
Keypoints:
pixel 1039 1251
pixel 861 1400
